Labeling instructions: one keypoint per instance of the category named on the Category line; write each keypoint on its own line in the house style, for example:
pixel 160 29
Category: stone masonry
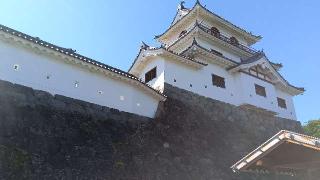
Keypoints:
pixel 192 138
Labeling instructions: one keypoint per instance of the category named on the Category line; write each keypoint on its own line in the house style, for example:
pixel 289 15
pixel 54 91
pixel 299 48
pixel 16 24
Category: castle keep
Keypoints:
pixel 188 109
pixel 200 52
pixel 206 54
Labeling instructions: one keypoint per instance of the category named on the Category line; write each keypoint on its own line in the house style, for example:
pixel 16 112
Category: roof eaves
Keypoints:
pixel 172 24
pixel 195 43
pixel 169 51
pixel 258 37
pixel 275 140
pixel 196 25
pixel 185 57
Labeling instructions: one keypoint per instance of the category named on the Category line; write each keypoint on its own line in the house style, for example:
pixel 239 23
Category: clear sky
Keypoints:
pixel 111 31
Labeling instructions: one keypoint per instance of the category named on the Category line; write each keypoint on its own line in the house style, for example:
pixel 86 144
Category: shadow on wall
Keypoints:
pixel 54 137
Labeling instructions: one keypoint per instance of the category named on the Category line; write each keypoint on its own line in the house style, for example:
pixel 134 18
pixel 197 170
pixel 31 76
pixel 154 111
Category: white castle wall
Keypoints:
pixel 201 81
pixel 94 87
pixel 249 96
pixel 240 88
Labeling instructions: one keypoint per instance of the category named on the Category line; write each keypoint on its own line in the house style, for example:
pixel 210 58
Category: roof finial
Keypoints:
pixel 181 5
pixel 144 45
pixel 70 50
pixel 197 22
pixel 194 42
pixel 198 2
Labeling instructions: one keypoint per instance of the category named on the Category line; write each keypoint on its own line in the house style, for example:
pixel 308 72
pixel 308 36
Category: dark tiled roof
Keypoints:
pixel 147 47
pixel 255 57
pixel 72 53
pixel 195 43
pixel 278 65
pixel 198 3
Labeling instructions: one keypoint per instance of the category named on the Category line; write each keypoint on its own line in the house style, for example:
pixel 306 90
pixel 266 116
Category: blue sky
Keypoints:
pixel 111 31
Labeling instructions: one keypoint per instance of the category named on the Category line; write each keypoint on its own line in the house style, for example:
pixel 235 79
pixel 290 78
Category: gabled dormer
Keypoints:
pixel 260 67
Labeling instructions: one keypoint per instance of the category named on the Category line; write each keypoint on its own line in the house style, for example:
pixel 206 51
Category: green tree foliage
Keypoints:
pixel 312 128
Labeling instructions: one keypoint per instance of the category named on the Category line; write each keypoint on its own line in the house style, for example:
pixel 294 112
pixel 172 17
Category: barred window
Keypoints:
pixel 150 75
pixel 215 31
pixel 234 41
pixel 260 90
pixel 282 103
pixel 218 81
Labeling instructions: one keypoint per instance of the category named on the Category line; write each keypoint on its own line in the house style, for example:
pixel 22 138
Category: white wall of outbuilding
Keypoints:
pixel 58 76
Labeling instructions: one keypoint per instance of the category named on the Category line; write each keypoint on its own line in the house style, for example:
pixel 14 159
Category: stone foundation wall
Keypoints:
pixel 192 138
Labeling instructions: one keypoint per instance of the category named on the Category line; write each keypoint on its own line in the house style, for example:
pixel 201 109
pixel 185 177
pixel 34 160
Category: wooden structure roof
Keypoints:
pixel 286 152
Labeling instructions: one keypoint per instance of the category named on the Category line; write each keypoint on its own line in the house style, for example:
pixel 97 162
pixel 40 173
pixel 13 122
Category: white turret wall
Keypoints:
pixel 240 87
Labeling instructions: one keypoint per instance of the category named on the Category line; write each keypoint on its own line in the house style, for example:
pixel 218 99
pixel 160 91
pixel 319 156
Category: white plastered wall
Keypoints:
pixel 184 77
pixel 239 89
pixel 247 94
pixel 158 82
pixel 54 75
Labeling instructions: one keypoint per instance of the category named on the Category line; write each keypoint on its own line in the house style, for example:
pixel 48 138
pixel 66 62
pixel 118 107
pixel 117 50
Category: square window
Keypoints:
pixel 260 90
pixel 218 81
pixel 282 103
pixel 150 75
